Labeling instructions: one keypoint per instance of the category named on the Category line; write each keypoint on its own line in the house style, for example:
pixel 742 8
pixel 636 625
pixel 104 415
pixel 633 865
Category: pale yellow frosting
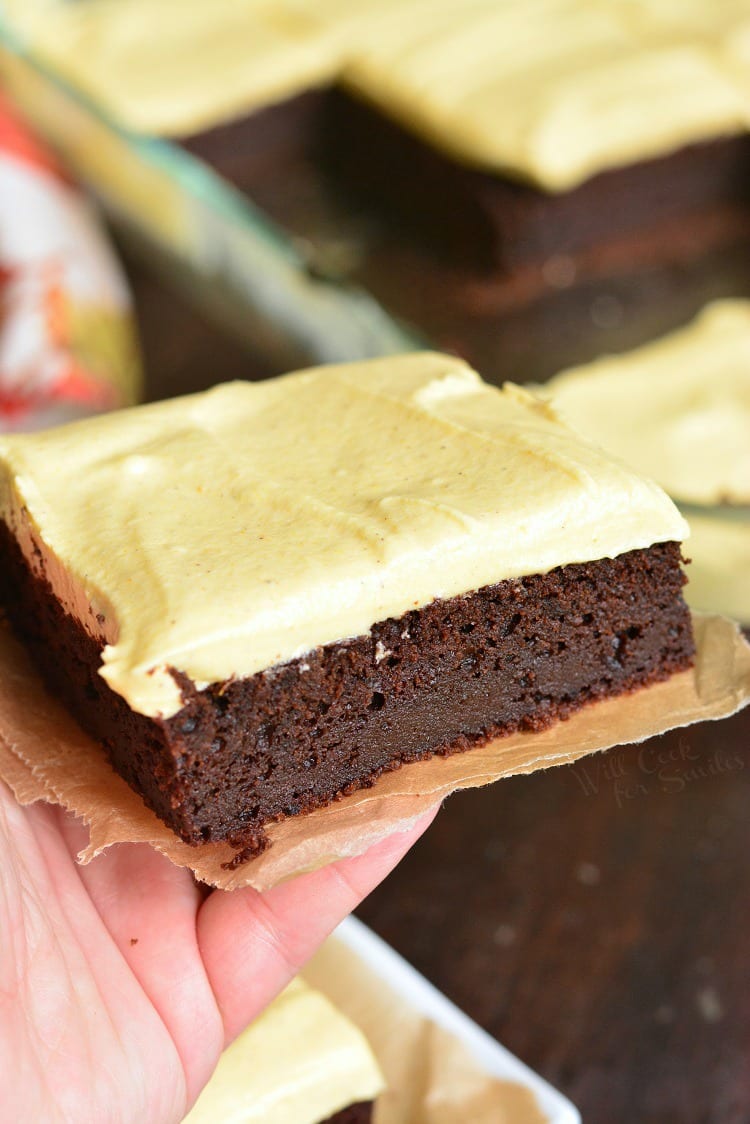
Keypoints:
pixel 551 91
pixel 227 532
pixel 720 566
pixel 173 67
pixel 678 410
pixel 300 1062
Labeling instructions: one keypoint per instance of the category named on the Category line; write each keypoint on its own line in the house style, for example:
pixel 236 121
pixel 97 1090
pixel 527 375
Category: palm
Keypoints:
pixel 120 982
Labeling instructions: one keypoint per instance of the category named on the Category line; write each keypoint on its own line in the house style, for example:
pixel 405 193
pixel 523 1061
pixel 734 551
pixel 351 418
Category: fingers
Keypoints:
pixel 148 906
pixel 82 1023
pixel 252 944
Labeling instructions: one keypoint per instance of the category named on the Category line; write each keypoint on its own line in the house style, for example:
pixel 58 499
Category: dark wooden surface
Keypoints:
pixel 596 918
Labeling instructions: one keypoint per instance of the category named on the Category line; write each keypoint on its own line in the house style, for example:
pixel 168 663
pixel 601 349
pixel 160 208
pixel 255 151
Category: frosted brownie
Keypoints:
pixel 677 409
pixel 301 1062
pixel 510 133
pixel 263 596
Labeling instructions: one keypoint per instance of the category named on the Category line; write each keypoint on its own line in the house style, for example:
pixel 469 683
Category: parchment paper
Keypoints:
pixel 45 756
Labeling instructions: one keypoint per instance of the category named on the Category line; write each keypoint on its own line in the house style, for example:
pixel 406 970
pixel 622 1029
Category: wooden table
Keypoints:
pixel 596 918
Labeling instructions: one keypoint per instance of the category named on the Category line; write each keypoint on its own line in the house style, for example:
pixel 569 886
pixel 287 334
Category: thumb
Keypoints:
pixel 253 943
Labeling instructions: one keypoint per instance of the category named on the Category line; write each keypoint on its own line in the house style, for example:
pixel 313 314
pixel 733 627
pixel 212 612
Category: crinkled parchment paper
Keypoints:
pixel 45 756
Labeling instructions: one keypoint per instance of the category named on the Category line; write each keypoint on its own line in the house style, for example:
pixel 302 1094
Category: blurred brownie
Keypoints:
pixel 493 222
pixel 520 281
pixel 263 597
pixel 506 136
pixel 542 179
pixel 355 1114
pixel 696 196
pixel 301 1060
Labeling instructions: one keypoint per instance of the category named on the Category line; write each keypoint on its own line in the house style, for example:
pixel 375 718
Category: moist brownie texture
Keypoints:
pixel 514 656
pixel 262 597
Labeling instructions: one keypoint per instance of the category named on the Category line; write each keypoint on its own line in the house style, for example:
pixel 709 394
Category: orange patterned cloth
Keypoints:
pixel 67 338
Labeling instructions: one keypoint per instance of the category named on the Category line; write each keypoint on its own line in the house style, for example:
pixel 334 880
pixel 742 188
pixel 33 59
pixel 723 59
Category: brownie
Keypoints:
pixel 302 1059
pixel 503 224
pixel 262 597
pixel 424 245
pixel 484 219
pixel 530 326
pixel 244 148
pixel 517 655
pixel 355 1114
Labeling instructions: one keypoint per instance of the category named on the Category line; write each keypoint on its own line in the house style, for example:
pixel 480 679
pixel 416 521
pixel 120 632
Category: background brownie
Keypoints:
pixel 519 282
pixel 355 1114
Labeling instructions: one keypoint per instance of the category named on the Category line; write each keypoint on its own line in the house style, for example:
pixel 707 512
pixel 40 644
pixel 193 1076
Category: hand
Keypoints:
pixel 121 982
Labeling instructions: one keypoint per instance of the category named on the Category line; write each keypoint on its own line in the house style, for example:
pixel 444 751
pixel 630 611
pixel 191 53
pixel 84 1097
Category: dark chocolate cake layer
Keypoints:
pixel 479 219
pixel 355 1114
pixel 564 324
pixel 239 754
pixel 241 150
pixel 494 221
pixel 525 325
